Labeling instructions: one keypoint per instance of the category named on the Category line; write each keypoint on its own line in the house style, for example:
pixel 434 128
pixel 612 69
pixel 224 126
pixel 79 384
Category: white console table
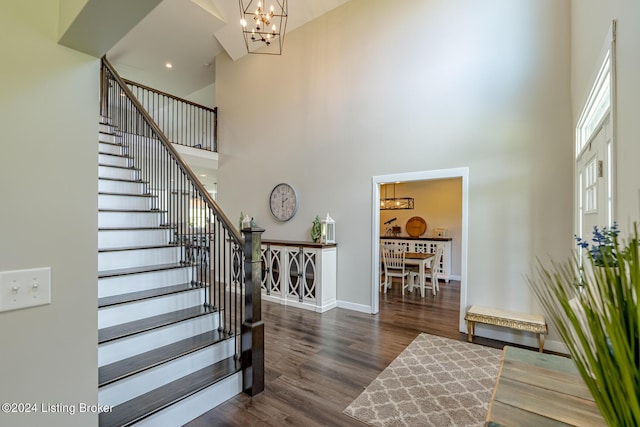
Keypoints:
pixel 427 245
pixel 300 274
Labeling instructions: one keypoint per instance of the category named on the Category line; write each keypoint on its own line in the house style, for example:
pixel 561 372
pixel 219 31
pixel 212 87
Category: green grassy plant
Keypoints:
pixel 594 307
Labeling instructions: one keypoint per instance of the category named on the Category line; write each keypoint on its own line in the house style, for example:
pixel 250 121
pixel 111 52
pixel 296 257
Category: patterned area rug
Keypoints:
pixel 435 381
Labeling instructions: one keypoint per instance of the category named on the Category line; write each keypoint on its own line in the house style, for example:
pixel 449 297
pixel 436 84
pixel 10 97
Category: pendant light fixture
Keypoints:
pixel 264 23
pixel 390 203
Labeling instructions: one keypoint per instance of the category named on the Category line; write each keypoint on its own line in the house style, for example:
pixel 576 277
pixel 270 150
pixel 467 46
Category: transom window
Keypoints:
pixel 597 106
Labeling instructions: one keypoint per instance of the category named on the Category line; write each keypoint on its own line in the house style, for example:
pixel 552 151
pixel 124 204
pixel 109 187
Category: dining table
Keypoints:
pixel 420 259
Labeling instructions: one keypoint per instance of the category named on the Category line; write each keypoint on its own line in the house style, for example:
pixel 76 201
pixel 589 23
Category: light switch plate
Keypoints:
pixel 25 288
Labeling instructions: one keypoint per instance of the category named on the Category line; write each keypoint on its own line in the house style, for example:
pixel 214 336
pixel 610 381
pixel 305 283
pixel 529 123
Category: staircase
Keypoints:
pixel 170 280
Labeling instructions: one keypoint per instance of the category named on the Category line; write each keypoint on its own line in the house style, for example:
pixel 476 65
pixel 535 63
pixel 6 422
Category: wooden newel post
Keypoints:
pixel 252 326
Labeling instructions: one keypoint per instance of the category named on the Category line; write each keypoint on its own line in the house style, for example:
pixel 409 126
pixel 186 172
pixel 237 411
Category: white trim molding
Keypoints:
pixel 463 173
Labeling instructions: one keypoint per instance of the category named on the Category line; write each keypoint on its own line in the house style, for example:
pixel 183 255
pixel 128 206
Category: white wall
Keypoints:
pixel 375 88
pixel 438 202
pixel 205 96
pixel 591 20
pixel 48 213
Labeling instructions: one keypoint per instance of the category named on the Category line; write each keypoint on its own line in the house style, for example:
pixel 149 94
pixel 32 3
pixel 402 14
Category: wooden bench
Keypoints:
pixel 509 319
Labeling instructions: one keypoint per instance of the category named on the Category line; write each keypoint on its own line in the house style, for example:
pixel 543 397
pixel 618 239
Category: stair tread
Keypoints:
pixel 111 193
pixel 132 210
pixel 136 181
pixel 165 227
pixel 139 247
pixel 119 167
pixel 146 294
pixel 120 156
pixel 137 326
pixel 147 404
pixel 152 358
pixel 117 144
pixel 138 270
pixel 107 132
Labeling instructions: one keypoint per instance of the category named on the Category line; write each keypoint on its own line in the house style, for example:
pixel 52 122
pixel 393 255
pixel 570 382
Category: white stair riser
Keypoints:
pixel 128 388
pixel 138 258
pixel 192 407
pixel 130 219
pixel 110 148
pixel 117 173
pixel 126 238
pixel 123 313
pixel 105 159
pixel 139 203
pixel 126 347
pixel 105 137
pixel 108 186
pixel 117 285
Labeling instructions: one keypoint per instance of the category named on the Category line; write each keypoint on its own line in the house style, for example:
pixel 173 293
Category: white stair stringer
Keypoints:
pixel 143 382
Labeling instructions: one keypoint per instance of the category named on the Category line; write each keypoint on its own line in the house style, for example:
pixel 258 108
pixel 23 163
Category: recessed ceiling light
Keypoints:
pixel 203 175
pixel 168 65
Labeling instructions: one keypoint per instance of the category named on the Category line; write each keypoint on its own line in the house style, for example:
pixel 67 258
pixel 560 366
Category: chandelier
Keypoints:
pixel 392 203
pixel 263 25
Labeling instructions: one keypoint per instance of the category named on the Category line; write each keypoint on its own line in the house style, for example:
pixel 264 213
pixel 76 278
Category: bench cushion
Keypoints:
pixel 506 318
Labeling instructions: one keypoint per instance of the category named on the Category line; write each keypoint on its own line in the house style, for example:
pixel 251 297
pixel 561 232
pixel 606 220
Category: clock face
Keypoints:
pixel 283 202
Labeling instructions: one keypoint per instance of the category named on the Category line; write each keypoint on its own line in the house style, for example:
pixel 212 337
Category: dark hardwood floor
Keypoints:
pixel 317 364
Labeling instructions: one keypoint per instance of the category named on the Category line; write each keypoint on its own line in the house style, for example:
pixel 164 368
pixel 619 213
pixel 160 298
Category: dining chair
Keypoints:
pixel 430 273
pixel 383 273
pixel 393 257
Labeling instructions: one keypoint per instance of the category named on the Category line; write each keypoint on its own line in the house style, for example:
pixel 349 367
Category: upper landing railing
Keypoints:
pixel 182 121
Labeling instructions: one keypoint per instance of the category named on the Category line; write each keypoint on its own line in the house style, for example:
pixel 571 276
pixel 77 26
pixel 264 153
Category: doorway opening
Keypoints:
pixel 411 177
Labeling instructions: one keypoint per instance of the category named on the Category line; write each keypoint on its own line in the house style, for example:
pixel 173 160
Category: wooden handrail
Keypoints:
pixel 168 95
pixel 239 239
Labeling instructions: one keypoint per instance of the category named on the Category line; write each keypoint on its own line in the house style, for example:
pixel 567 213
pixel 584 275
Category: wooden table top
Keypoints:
pixel 538 389
pixel 417 255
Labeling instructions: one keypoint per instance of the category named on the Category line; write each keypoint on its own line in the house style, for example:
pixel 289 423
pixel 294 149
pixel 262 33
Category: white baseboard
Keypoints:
pixel 506 335
pixel 355 307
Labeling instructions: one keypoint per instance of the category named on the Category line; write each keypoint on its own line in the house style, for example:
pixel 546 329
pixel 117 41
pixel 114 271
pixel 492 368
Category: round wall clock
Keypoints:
pixel 283 202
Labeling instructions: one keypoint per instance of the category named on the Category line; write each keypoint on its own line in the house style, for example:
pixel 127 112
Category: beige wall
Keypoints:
pixel 439 203
pixel 375 88
pixel 591 20
pixel 48 213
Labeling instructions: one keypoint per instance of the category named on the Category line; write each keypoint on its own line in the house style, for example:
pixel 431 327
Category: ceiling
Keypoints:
pixel 190 34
